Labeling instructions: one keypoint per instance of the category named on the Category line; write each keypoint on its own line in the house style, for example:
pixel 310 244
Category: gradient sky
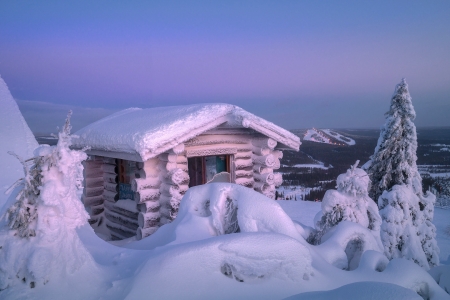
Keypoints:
pixel 296 63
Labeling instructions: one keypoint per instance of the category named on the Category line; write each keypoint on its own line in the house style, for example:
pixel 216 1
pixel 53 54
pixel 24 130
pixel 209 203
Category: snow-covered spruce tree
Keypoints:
pixel 407 229
pixel 394 159
pixel 38 242
pixel 350 202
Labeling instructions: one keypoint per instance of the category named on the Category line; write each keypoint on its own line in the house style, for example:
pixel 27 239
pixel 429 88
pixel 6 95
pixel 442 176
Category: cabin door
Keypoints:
pixel 202 169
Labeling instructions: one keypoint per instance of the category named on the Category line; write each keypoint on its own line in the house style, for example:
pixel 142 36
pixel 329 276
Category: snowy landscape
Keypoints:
pixel 224 150
pixel 227 240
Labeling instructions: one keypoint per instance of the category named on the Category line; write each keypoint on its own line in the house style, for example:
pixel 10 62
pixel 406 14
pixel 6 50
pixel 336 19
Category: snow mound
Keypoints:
pixel 15 136
pixel 361 291
pixel 222 208
pixel 149 132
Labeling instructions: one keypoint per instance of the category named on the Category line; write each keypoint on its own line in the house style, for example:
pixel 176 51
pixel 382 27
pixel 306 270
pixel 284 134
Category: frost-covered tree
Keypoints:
pixel 39 241
pixel 407 214
pixel 407 230
pixel 350 202
pixel 394 159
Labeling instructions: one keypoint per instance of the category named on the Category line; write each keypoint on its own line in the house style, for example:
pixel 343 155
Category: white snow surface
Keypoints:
pixel 151 131
pixel 268 259
pixel 15 136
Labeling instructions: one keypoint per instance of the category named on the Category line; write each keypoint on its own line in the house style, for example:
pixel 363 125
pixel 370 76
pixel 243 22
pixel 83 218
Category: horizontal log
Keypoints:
pixel 95 158
pixel 93 182
pixel 176 177
pixel 139 184
pixel 113 187
pixel 92 201
pixel 147 220
pixel 168 166
pixel 278 154
pixel 149 163
pixel 92 172
pixel 260 186
pixel 266 160
pixel 110 160
pixel 245 181
pixel 110 196
pixel 243 163
pixel 261 169
pixel 119 231
pixel 243 155
pixel 173 190
pixel 92 163
pixel 278 179
pixel 173 158
pixel 165 220
pixel 261 151
pixel 111 178
pixel 95 219
pixel 111 206
pixel 96 210
pixel 142 233
pixel 168 203
pixel 264 142
pixel 91 192
pixel 149 206
pixel 244 172
pixel 145 173
pixel 112 169
pixel 125 221
pixel 147 195
pixel 267 178
pixel 178 149
pixel 217 139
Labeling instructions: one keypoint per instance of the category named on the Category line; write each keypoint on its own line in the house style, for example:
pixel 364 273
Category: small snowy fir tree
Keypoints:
pixel 39 241
pixel 407 214
pixel 350 202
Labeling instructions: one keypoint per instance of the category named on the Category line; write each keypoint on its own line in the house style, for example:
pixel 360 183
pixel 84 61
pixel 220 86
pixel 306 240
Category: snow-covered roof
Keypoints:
pixel 151 131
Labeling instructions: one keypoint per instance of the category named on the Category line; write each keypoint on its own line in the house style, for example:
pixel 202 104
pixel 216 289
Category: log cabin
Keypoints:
pixel 142 161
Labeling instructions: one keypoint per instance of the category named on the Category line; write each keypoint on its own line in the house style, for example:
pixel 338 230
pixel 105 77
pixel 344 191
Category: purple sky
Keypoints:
pixel 296 63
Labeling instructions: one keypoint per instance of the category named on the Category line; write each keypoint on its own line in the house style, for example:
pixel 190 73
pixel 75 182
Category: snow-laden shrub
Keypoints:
pixel 407 230
pixel 350 202
pixel 39 241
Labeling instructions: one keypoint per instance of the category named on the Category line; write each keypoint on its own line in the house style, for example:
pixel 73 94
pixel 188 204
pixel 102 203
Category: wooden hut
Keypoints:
pixel 142 161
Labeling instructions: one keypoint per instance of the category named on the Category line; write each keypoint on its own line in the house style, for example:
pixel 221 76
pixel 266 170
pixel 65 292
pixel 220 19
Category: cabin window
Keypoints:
pixel 202 169
pixel 127 170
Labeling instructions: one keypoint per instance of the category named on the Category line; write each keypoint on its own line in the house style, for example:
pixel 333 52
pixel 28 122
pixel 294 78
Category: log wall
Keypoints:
pixel 146 187
pixel 266 159
pixel 93 189
pixel 174 179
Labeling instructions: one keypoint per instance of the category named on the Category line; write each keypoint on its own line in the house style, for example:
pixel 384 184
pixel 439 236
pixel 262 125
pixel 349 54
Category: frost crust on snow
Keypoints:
pixel 149 132
pixel 40 243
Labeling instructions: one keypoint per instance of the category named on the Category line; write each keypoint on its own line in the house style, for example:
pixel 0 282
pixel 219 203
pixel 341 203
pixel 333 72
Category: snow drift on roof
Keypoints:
pixel 149 132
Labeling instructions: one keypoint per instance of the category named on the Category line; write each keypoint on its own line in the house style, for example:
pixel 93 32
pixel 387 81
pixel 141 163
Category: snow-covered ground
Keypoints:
pixel 228 242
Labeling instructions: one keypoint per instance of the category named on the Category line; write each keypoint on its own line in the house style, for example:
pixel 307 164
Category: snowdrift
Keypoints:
pixel 15 136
